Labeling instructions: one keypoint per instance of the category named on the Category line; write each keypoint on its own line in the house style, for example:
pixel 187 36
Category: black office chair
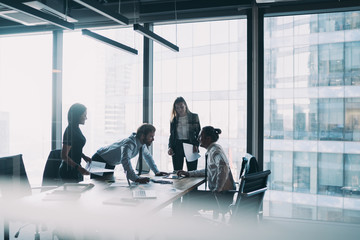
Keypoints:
pixel 14 184
pixel 250 197
pixel 51 176
pixel 248 165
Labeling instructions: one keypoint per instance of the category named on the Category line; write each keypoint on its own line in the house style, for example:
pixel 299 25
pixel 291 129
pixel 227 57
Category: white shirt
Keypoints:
pixel 219 175
pixel 123 151
pixel 183 128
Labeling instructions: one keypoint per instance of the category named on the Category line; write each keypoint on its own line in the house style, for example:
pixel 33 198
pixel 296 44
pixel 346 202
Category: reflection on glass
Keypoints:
pixel 210 73
pixel 281 163
pixel 107 81
pixel 25 100
pixel 312 110
pixel 305 169
pixel 330 173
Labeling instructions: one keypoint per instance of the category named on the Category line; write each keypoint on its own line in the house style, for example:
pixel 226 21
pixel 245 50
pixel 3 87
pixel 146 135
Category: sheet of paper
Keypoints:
pixel 97 168
pixel 189 154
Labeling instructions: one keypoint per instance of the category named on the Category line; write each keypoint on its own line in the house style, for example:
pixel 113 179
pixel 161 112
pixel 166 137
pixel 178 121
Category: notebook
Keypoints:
pixel 140 193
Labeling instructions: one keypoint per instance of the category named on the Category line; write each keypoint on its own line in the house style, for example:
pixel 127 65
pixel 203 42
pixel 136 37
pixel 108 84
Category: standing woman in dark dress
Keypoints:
pixel 184 128
pixel 73 142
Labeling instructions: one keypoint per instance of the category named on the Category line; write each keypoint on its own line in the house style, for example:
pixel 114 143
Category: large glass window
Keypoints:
pixel 210 73
pixel 312 111
pixel 25 100
pixel 108 81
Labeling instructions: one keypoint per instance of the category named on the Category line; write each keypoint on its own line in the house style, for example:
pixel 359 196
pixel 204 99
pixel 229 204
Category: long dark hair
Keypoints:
pixel 173 112
pixel 75 112
pixel 211 132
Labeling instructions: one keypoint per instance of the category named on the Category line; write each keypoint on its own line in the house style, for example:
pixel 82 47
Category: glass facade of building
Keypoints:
pixel 312 110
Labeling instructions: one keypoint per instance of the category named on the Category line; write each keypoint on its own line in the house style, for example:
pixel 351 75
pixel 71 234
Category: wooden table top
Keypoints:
pixel 113 206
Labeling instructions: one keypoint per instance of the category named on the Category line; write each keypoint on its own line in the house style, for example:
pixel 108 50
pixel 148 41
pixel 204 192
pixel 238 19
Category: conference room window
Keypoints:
pixel 311 109
pixel 25 100
pixel 108 81
pixel 210 73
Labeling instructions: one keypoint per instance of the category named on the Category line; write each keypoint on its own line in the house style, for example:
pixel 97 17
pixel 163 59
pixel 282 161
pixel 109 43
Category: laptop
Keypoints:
pixel 141 193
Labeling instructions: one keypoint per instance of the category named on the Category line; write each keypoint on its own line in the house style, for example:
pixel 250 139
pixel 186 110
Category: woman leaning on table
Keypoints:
pixel 184 128
pixel 73 142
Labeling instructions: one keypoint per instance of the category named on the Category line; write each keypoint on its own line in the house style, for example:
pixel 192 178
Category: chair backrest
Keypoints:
pixel 250 196
pixel 51 171
pixel 14 182
pixel 249 165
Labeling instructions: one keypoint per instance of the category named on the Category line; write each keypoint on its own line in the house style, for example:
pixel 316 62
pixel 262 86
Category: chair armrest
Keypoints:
pixel 249 194
pixel 232 191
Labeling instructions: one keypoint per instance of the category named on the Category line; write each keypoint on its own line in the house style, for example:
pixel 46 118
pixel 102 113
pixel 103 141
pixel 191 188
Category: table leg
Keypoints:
pixel 6 230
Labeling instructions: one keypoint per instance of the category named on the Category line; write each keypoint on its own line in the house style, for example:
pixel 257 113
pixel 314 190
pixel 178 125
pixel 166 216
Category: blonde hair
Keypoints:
pixel 177 101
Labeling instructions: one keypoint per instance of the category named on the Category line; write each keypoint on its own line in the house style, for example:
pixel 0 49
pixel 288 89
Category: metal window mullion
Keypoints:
pixel 57 69
pixel 255 88
pixel 148 77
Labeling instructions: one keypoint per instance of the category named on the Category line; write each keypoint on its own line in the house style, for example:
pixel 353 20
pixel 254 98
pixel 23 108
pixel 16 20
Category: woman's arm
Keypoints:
pixel 65 156
pixel 194 131
pixel 86 158
pixel 171 138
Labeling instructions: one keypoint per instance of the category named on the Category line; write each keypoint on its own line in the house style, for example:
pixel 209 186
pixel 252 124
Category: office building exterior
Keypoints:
pixel 312 113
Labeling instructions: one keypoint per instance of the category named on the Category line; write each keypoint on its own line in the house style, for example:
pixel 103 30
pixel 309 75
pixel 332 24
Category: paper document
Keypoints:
pixel 97 168
pixel 189 154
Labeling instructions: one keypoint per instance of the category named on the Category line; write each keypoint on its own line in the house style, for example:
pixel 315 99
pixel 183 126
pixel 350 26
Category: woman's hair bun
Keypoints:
pixel 217 130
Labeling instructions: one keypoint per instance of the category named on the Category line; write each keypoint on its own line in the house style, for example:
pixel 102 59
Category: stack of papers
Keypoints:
pixel 97 168
pixel 189 153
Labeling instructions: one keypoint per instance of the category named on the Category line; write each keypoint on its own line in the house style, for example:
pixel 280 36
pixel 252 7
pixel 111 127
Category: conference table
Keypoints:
pixel 98 207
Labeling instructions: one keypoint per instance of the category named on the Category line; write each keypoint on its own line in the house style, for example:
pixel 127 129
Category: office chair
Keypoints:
pixel 14 184
pixel 51 176
pixel 250 197
pixel 248 165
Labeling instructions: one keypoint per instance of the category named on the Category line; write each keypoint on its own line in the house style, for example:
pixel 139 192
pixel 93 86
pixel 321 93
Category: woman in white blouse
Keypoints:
pixel 184 128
